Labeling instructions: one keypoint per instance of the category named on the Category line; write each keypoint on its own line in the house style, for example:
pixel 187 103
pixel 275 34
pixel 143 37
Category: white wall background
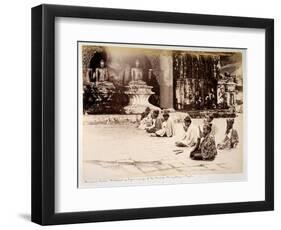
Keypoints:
pixel 15 113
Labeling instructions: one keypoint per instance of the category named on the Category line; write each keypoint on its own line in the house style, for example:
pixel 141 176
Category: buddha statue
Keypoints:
pixel 101 73
pixel 136 72
pixel 138 92
pixel 101 79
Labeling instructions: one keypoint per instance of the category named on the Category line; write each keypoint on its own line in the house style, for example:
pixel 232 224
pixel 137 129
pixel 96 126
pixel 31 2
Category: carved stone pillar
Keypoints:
pixel 166 81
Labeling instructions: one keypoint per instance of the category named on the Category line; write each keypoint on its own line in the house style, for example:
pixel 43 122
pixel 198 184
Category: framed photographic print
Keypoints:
pixel 142 114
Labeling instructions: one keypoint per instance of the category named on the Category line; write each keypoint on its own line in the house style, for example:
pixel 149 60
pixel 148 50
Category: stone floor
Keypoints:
pixel 116 151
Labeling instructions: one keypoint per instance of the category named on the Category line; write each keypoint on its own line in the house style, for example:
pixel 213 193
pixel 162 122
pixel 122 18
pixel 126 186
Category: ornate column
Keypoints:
pixel 166 80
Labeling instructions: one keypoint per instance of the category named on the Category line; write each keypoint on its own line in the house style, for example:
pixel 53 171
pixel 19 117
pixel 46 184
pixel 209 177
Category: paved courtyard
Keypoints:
pixel 121 151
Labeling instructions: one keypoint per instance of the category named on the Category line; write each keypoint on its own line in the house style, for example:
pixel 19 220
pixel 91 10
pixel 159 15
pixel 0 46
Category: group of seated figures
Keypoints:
pixel 156 123
pixel 200 139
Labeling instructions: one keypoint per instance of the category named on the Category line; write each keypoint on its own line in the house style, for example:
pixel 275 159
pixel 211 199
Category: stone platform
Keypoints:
pixel 177 117
pixel 120 151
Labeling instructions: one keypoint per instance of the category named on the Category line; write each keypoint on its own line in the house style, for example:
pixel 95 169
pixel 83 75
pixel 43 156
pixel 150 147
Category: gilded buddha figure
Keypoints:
pixel 138 92
pixel 101 73
pixel 136 72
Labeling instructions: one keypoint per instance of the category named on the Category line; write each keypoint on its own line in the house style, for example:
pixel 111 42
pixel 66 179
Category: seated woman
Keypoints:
pixel 191 134
pixel 205 148
pixel 156 122
pixel 209 118
pixel 146 119
pixel 167 129
pixel 231 138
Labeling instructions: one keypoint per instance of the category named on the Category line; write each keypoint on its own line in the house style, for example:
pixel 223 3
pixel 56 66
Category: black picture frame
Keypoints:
pixel 43 114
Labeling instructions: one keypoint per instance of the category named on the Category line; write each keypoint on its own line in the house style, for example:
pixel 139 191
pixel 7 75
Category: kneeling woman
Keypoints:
pixel 205 148
pixel 231 138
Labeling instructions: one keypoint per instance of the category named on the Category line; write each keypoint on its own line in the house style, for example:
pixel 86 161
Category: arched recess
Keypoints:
pixel 88 53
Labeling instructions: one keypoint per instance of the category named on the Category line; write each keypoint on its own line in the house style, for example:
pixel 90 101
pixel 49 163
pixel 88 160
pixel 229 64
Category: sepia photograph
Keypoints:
pixel 142 114
pixel 159 114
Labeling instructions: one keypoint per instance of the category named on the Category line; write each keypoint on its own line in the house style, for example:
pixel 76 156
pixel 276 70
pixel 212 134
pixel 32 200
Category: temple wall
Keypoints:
pixel 195 78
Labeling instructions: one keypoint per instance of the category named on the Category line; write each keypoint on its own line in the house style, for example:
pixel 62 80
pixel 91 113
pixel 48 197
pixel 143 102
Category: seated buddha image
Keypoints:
pixel 101 77
pixel 136 72
pixel 101 73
